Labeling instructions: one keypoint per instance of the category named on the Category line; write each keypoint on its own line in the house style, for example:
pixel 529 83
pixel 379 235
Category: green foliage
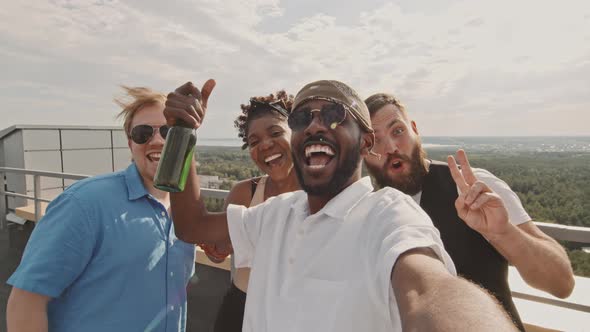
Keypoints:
pixel 226 185
pixel 230 164
pixel 553 187
pixel 581 262
pixel 214 204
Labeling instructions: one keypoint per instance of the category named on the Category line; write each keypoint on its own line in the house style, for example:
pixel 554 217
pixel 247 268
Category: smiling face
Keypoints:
pixel 270 147
pixel 327 160
pixel 402 163
pixel 146 156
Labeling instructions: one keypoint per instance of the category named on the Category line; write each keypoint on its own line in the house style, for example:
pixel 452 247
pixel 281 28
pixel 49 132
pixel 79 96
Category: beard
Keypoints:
pixel 409 184
pixel 339 179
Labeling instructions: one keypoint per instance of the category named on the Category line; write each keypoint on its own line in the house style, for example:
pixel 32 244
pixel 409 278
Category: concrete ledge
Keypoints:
pixel 540 310
pixel 28 212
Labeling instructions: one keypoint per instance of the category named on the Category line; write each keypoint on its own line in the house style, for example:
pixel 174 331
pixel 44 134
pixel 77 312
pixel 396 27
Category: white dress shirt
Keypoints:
pixel 330 271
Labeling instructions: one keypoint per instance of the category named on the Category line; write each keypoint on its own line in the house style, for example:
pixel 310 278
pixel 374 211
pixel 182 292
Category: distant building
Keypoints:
pixel 85 150
pixel 210 181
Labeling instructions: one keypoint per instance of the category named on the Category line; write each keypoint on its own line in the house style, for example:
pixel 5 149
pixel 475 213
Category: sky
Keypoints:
pixel 462 68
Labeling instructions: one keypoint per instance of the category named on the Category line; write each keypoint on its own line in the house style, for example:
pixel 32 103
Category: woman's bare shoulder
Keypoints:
pixel 241 193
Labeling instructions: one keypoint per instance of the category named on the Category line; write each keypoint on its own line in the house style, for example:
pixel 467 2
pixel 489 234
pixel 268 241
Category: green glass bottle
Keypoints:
pixel 175 162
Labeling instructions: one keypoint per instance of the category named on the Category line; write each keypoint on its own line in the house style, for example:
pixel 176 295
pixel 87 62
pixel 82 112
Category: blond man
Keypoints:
pixel 105 257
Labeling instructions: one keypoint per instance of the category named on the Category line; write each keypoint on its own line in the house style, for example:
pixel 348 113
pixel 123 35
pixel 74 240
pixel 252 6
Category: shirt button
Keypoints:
pixel 163 213
pixel 171 308
pixel 172 274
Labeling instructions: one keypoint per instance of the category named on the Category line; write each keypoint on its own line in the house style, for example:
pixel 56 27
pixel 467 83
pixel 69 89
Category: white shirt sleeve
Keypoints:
pixel 516 212
pixel 402 226
pixel 244 230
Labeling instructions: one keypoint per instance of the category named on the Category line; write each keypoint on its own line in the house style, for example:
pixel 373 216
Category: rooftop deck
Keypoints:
pixel 539 310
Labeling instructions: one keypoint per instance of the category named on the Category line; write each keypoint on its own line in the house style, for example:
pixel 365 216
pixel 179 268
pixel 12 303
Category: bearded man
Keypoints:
pixel 480 248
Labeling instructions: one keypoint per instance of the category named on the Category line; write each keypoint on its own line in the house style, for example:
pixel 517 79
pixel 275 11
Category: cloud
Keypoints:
pixel 470 61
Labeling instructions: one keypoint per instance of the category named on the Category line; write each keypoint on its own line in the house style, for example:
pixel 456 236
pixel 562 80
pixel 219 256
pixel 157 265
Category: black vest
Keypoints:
pixel 474 257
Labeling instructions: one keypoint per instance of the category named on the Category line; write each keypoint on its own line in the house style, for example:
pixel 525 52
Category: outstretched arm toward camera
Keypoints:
pixel 192 222
pixel 431 299
pixel 541 261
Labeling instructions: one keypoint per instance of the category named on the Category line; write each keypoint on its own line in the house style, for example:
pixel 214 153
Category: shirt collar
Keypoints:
pixel 417 197
pixel 300 204
pixel 135 186
pixel 341 205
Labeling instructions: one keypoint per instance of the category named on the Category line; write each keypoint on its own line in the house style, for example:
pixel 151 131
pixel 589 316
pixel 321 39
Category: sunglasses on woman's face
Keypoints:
pixel 331 115
pixel 141 134
pixel 278 105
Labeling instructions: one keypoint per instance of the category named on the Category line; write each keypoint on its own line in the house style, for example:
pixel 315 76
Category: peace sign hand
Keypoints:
pixel 480 207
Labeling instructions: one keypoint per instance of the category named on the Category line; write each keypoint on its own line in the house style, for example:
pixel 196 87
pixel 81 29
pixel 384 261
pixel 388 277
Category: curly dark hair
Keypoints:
pixel 250 112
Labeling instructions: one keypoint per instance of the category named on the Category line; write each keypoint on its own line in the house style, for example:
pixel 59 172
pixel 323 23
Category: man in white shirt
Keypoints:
pixel 336 256
pixel 481 251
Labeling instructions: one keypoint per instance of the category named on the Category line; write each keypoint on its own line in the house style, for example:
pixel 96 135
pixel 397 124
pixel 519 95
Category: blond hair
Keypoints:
pixel 136 99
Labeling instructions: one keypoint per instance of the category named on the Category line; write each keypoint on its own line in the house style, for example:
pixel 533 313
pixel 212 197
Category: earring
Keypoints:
pixel 371 150
pixel 375 154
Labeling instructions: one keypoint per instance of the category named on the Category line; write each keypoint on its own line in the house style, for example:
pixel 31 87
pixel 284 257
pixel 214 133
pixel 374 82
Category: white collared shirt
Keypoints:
pixel 330 271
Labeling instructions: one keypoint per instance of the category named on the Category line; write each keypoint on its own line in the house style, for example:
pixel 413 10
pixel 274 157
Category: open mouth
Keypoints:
pixel 396 165
pixel 317 156
pixel 273 160
pixel 154 156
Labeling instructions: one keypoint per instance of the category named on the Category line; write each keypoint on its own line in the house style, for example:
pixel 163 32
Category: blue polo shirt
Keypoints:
pixel 106 253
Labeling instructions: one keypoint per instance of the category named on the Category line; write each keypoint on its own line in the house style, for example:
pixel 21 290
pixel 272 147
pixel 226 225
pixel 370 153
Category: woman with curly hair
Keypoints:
pixel 263 128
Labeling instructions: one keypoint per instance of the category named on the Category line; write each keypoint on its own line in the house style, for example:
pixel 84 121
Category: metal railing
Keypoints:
pixel 37 199
pixel 558 232
pixel 565 233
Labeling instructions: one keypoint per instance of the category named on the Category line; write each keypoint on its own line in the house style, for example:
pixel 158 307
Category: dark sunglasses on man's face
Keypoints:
pixel 141 134
pixel 331 115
